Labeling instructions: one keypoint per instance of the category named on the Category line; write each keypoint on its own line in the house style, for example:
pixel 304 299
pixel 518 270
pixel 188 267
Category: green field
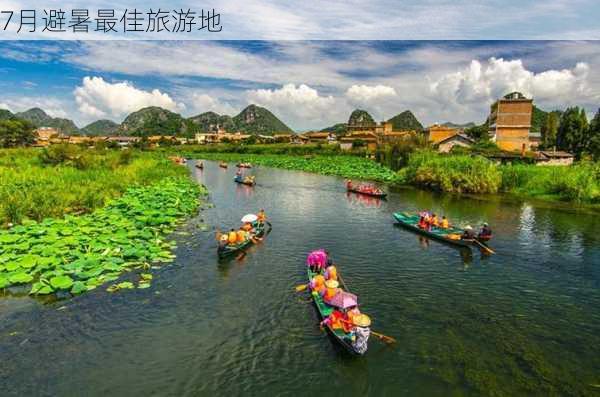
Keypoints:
pixel 36 183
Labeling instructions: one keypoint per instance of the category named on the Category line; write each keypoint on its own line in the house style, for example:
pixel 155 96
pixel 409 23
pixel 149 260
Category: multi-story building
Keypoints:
pixel 510 122
pixel 438 133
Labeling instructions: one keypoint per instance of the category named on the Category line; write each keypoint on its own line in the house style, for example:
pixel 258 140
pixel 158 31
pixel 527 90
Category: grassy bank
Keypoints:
pixel 75 254
pixel 474 174
pixel 276 148
pixel 36 183
pixel 345 166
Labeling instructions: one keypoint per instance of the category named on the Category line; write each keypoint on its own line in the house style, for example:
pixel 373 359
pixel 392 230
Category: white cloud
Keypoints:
pixel 52 106
pixel 298 105
pixel 200 103
pixel 479 84
pixel 365 94
pixel 98 98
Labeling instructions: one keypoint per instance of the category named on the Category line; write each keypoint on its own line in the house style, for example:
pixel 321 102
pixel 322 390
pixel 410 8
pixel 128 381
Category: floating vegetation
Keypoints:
pixel 79 253
pixel 346 166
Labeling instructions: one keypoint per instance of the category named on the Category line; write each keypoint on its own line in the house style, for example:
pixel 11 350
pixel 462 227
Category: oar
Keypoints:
pixel 301 287
pixel 485 248
pixel 385 338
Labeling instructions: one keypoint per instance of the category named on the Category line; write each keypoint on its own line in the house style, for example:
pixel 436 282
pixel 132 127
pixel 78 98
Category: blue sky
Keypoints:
pixel 308 84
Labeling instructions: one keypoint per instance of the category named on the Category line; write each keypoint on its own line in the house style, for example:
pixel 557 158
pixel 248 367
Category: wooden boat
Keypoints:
pixel 371 194
pixel 244 165
pixel 200 165
pixel 244 181
pixel 229 250
pixel 223 165
pixel 324 310
pixel 410 222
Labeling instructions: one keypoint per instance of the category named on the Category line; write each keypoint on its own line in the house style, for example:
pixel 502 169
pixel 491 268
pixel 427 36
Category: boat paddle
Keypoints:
pixel 484 247
pixel 387 339
pixel 301 287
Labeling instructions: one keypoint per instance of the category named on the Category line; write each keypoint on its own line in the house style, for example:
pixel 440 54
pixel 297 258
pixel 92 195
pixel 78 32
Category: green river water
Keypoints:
pixel 525 321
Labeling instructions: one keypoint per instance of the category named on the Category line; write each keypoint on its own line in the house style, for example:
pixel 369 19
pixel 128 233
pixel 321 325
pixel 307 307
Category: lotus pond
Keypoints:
pixel 345 166
pixel 74 254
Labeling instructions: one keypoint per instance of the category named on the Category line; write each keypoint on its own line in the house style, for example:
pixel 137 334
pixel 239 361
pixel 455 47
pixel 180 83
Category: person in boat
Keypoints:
pixel 241 235
pixel 316 260
pixel 435 222
pixel 422 224
pixel 331 290
pixel 331 272
pixel 232 237
pixel 317 284
pixel 247 226
pixel 468 233
pixel 485 233
pixel 360 333
pixel 349 185
pixel 336 320
pixel 262 217
pixel 444 224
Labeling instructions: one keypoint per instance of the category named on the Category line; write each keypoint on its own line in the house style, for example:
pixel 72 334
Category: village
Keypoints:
pixel 510 128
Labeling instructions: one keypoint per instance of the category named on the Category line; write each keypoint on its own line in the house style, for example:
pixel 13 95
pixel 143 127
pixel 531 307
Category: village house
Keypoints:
pixel 510 122
pixel 438 133
pixel 544 157
pixel 372 135
pixel 320 137
pixel 462 140
pixel 44 135
pixel 123 141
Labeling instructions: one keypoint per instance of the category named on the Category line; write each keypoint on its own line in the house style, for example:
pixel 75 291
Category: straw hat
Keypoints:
pixel 332 284
pixel 468 227
pixel 361 320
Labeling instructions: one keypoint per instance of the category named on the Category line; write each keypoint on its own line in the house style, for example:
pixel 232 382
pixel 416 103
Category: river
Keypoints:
pixel 525 321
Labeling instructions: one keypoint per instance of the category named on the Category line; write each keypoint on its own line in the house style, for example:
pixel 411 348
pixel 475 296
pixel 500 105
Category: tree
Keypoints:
pixel 594 136
pixel 16 132
pixel 550 130
pixel 479 132
pixel 572 131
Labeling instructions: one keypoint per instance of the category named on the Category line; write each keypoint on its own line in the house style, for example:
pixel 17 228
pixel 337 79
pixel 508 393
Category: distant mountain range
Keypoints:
pixel 252 120
pixel 158 121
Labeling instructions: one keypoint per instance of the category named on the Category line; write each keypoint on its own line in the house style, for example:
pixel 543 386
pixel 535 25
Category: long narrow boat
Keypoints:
pixel 410 222
pixel 244 165
pixel 381 195
pixel 230 250
pixel 243 181
pixel 324 310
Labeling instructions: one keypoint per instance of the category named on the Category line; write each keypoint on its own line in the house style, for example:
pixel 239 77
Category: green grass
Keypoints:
pixel 345 166
pixel 452 173
pixel 35 184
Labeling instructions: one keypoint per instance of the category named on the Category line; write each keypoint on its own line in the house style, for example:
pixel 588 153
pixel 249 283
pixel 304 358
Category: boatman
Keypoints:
pixel 468 234
pixel 486 232
pixel 262 217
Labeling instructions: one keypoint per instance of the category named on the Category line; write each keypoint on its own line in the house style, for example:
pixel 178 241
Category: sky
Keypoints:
pixel 307 84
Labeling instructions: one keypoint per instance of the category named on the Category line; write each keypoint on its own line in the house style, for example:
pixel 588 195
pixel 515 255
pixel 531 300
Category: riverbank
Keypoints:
pixel 67 179
pixel 462 174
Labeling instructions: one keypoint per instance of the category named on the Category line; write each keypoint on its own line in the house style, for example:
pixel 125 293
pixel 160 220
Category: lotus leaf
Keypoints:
pixel 20 278
pixel 61 282
pixel 143 285
pixel 125 285
pixel 9 238
pixel 78 287
pixel 12 266
pixel 146 276
pixel 4 282
pixel 40 288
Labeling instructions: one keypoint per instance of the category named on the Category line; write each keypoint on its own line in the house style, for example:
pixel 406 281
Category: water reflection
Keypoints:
pixel 367 201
